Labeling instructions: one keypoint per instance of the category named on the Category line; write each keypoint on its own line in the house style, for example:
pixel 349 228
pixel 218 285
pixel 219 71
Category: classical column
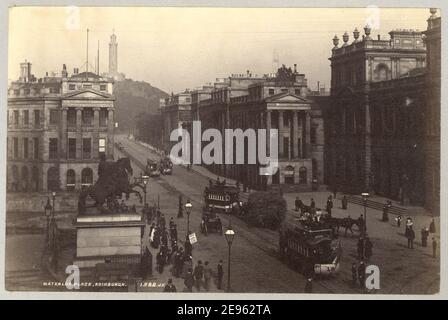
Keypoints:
pixel 295 134
pixel 64 133
pixel 79 133
pixel 268 130
pixel 95 135
pixel 110 133
pixel 280 134
pixel 307 135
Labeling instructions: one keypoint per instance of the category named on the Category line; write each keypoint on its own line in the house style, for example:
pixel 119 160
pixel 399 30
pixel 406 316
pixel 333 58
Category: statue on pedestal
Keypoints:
pixel 113 181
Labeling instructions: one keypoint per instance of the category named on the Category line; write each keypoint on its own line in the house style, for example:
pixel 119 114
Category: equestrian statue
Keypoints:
pixel 113 181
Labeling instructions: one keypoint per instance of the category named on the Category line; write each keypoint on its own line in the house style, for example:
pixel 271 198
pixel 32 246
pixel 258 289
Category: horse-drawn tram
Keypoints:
pixel 221 198
pixel 312 248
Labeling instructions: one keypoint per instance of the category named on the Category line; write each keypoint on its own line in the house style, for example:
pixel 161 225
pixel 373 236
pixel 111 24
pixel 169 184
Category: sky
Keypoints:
pixel 178 48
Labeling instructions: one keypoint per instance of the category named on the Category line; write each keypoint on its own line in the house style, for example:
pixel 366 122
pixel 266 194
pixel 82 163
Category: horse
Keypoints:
pixel 346 223
pixel 112 182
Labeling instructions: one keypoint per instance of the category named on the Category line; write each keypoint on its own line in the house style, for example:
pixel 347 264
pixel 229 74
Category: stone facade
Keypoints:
pixel 58 128
pixel 261 102
pixel 375 125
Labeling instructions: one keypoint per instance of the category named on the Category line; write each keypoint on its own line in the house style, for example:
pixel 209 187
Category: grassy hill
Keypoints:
pixel 134 98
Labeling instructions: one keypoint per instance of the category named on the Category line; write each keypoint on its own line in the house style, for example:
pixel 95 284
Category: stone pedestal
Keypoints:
pixel 117 238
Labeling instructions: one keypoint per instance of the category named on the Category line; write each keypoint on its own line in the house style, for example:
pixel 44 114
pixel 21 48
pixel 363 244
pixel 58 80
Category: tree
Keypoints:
pixel 266 209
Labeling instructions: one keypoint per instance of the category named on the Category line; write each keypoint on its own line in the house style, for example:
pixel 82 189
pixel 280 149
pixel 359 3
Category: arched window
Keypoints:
pixel 71 180
pixel 53 179
pixel 302 175
pixel 86 177
pixel 14 179
pixel 24 180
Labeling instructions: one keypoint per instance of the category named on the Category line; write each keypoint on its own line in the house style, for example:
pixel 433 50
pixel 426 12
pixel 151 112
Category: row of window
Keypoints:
pixel 23 180
pixel 87 117
pixel 26 149
pixel 53 146
pixel 26 121
pixel 86 148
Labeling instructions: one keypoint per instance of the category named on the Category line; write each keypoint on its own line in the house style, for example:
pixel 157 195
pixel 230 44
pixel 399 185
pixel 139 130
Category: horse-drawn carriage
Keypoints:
pixel 166 166
pixel 210 221
pixel 152 168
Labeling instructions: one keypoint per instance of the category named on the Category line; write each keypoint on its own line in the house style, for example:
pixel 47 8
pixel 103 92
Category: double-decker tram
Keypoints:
pixel 311 248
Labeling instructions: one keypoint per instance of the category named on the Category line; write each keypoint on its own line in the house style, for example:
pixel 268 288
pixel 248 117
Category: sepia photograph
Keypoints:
pixel 223 150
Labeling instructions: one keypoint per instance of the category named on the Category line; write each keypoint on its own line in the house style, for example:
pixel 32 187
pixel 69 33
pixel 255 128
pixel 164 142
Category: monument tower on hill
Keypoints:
pixel 113 59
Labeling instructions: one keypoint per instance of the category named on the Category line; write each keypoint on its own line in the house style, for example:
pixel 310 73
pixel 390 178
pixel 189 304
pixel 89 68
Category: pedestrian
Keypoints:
pixel 368 245
pixel 385 213
pixel 171 224
pixel 170 287
pixel 432 226
pixel 313 204
pixel 220 274
pixel 309 285
pixel 434 247
pixel 160 260
pixel 354 274
pixel 344 202
pixel 189 281
pixel 362 274
pixel 198 275
pixel 329 205
pixel 410 234
pixel 360 247
pixel 398 220
pixel 425 234
pixel 298 204
pixel 207 275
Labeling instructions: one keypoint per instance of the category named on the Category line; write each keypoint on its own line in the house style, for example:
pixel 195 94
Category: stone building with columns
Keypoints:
pixel 58 128
pixel 376 122
pixel 277 101
pixel 432 112
pixel 176 113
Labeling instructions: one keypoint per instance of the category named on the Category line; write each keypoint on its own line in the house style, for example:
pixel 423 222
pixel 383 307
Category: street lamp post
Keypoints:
pixel 47 210
pixel 145 179
pixel 230 234
pixel 365 195
pixel 188 207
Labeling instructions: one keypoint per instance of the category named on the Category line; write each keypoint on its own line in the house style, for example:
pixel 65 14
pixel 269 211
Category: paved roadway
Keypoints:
pixel 255 264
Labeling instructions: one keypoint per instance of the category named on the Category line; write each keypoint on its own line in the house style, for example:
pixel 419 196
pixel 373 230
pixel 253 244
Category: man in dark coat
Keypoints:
pixel 432 226
pixel 361 248
pixel 170 287
pixel 425 234
pixel 180 213
pixel 198 275
pixel 434 247
pixel 362 274
pixel 220 274
pixel 313 204
pixel 329 205
pixel 298 204
pixel 189 281
pixel 160 260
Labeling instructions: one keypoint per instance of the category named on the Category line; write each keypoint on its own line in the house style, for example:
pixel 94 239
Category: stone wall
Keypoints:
pixel 35 202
